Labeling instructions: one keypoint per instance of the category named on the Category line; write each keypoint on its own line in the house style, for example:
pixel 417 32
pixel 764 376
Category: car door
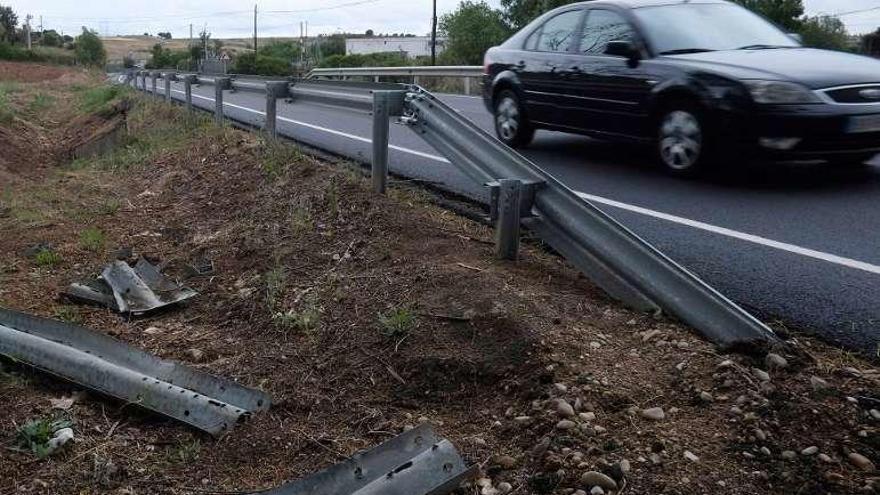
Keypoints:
pixel 547 52
pixel 612 91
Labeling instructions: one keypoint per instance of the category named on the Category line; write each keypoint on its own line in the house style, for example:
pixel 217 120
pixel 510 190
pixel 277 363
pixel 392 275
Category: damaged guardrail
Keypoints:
pixel 611 255
pixel 417 462
pixel 111 367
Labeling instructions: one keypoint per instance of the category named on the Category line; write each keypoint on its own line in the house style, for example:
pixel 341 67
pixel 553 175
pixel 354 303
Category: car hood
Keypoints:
pixel 814 68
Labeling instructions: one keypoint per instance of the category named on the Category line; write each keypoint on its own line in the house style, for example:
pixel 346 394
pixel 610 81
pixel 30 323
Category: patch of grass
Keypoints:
pixel 186 452
pixel 398 323
pixel 99 98
pixel 47 258
pixel 276 157
pixel 6 111
pixel 305 320
pixel 69 314
pixel 41 102
pixel 92 239
pixel 301 220
pixel 275 280
pixel 110 206
pixel 36 433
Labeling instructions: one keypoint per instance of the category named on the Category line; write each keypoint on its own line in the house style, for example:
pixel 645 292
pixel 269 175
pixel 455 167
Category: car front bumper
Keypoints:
pixel 811 132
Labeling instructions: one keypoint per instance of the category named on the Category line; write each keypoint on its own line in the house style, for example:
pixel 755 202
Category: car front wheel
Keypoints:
pixel 682 140
pixel 511 125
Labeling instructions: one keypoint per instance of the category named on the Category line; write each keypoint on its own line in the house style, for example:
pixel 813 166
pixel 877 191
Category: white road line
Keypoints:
pixel 763 241
pixel 782 246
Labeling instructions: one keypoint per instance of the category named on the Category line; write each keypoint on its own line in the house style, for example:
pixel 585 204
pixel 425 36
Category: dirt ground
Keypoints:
pixel 364 315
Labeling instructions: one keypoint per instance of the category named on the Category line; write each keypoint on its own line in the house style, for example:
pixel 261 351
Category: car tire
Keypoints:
pixel 511 124
pixel 684 143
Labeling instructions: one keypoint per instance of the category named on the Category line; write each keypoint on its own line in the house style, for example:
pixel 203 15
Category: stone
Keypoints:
pixel 874 414
pixel 706 397
pixel 595 345
pixel 861 462
pixel 595 478
pixel 625 466
pixel 484 482
pixel 587 416
pixel 825 458
pixel 522 420
pixel 691 456
pixel 654 413
pixel 761 375
pixel 489 490
pixel 775 362
pixel 564 409
pixel 560 387
pixel 766 451
pixel 196 355
pixel 504 461
pixel 818 384
pixel 504 487
pixel 597 490
pixel 565 424
pixel 788 455
pixel 153 331
pixel 811 450
pixel 760 435
pixel 599 429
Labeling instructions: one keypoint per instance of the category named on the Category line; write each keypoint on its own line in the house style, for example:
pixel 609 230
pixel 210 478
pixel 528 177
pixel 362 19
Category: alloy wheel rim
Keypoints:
pixel 507 118
pixel 681 140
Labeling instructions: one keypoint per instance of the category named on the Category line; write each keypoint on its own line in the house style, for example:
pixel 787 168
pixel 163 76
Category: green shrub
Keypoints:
pixel 92 239
pixel 90 49
pixel 398 323
pixel 97 98
pixel 47 258
pixel 388 59
pixel 262 65
pixel 36 433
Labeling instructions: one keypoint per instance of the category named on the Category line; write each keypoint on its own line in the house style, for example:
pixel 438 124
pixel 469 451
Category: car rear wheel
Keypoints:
pixel 511 125
pixel 682 144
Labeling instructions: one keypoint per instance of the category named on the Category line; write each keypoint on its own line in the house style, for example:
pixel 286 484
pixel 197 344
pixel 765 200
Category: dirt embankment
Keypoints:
pixel 362 315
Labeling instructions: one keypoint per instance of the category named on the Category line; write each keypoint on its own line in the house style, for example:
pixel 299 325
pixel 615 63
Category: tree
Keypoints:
pixel 370 33
pixel 8 22
pixel 871 44
pixel 824 31
pixel 90 49
pixel 472 29
pixel 165 36
pixel 51 38
pixel 785 13
pixel 518 13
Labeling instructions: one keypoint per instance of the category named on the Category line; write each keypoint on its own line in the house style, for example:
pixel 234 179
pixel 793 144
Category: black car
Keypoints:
pixel 703 81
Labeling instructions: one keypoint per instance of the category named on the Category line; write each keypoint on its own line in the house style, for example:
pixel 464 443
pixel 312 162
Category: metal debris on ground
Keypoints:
pixel 111 367
pixel 417 462
pixel 136 290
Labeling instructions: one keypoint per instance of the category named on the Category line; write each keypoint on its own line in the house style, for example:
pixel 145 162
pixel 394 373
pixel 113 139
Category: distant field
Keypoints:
pixel 139 46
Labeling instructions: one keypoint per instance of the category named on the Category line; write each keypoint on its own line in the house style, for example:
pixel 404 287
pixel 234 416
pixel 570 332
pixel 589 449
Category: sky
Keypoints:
pixel 234 18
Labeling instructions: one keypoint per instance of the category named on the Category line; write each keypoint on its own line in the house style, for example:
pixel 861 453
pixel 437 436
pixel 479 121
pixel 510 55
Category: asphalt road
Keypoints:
pixel 794 244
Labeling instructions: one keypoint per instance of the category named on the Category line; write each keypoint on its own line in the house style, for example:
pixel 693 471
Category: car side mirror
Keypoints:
pixel 625 49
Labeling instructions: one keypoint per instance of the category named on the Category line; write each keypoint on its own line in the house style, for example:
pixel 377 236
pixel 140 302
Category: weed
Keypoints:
pixel 6 111
pixel 186 452
pixel 301 220
pixel 47 258
pixel 109 206
pixel 68 314
pixel 275 280
pixel 397 323
pixel 305 320
pixel 332 198
pixel 92 239
pixel 41 102
pixel 36 433
pixel 98 98
pixel 276 157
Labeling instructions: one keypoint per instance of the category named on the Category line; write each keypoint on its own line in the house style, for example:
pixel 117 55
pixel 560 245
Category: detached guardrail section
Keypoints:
pixel 612 256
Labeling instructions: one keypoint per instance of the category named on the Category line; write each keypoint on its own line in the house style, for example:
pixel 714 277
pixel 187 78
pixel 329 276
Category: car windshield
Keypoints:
pixel 694 27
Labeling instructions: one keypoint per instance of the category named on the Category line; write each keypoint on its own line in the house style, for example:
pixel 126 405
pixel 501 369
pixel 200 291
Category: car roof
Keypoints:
pixel 635 4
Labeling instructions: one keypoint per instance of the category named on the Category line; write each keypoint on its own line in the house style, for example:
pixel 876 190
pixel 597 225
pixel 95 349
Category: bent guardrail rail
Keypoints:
pixel 616 259
pixel 466 72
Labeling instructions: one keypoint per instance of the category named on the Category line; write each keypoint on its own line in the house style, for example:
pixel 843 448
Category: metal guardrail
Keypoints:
pixel 615 258
pixel 466 72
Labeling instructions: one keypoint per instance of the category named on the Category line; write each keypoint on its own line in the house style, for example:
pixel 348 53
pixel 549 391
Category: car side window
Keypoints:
pixel 601 27
pixel 558 32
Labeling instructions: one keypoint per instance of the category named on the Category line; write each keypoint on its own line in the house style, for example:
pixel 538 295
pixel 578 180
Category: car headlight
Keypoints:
pixel 780 93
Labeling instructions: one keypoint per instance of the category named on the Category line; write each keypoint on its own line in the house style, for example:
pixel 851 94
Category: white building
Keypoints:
pixel 411 47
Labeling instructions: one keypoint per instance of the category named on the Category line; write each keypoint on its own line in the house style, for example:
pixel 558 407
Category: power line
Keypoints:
pixel 321 9
pixel 860 11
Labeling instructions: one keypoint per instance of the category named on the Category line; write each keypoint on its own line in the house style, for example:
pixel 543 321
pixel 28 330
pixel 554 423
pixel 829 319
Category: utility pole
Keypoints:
pixel 255 29
pixel 41 29
pixel 306 41
pixel 434 35
pixel 27 22
pixel 302 45
pixel 205 39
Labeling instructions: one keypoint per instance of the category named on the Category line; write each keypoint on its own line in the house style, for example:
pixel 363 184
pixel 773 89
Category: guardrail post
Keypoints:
pixel 467 86
pixel 507 225
pixel 220 84
pixel 188 91
pixel 168 79
pixel 153 77
pixel 381 129
pixel 143 77
pixel 274 90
